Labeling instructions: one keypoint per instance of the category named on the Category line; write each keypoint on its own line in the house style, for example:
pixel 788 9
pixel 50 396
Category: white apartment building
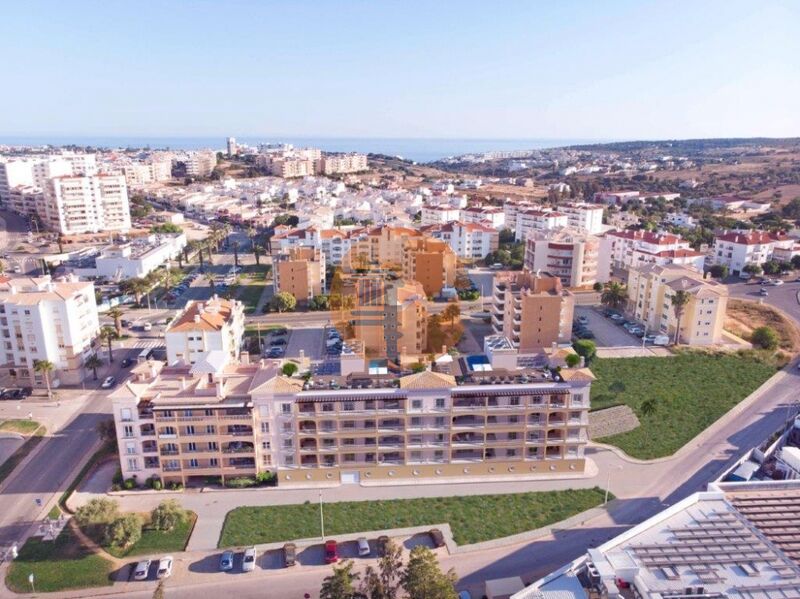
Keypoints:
pixel 333 164
pixel 136 258
pixel 200 164
pixel 25 199
pixel 43 319
pixel 624 249
pixel 583 217
pixel 144 173
pixel 334 244
pixel 439 214
pixel 492 215
pixel 14 172
pixel 737 250
pixel 86 204
pixel 529 221
pixel 512 209
pixel 572 256
pixel 470 241
pixel 37 170
pixel 206 331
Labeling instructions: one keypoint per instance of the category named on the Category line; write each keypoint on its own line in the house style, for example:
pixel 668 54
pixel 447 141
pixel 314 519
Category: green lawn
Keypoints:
pixel 7 467
pixel 58 565
pixel 23 427
pixel 473 518
pixel 690 391
pixel 249 296
pixel 155 541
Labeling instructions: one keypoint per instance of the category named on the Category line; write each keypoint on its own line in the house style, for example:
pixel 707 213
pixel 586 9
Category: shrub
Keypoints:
pixel 585 348
pixel 417 367
pixel 157 484
pixel 167 515
pixel 572 360
pixel 597 286
pixel 175 486
pixel 765 338
pixel 129 484
pixel 124 531
pixel 117 477
pixel 289 368
pixel 719 271
pixel 240 482
pixel 268 479
pixel 97 511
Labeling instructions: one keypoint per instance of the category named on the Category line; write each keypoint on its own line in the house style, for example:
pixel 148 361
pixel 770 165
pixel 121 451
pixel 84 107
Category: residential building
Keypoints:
pixel 233 149
pixel 615 197
pixel 739 249
pixel 512 209
pixel 151 171
pixel 25 199
pixel 86 204
pixel 36 171
pixel 439 214
pixel 185 423
pixel 290 167
pixel 570 255
pixel 431 262
pixel 470 241
pixel 301 272
pixel 333 164
pixel 14 173
pixel 206 330
pixel 200 163
pixel 586 218
pixel 335 243
pixel 46 319
pixel 627 248
pixel 529 221
pixel 533 310
pixel 491 215
pixel 132 259
pixel 650 292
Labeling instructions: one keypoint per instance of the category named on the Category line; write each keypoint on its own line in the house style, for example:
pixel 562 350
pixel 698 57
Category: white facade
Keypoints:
pixel 216 325
pixel 495 217
pixel 470 241
pixel 42 319
pixel 529 221
pixel 623 249
pixel 737 250
pixel 587 218
pixel 134 259
pixel 439 215
pixel 91 204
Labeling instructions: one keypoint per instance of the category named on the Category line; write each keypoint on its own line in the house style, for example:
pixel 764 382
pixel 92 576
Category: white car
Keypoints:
pixel 142 569
pixel 363 546
pixel 108 382
pixel 164 567
pixel 249 560
pixel 147 326
pixel 776 282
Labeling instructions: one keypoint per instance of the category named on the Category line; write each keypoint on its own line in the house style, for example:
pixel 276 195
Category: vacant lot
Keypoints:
pixel 59 565
pixel 473 519
pixel 689 392
pixel 743 316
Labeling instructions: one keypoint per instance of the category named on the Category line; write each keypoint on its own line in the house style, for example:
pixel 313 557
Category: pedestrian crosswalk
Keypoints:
pixel 144 343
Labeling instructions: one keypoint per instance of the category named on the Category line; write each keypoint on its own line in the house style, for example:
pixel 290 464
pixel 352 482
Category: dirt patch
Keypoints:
pixel 612 421
pixel 744 316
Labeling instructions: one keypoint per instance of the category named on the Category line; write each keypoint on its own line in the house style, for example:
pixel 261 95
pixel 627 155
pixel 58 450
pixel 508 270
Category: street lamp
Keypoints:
pixel 608 484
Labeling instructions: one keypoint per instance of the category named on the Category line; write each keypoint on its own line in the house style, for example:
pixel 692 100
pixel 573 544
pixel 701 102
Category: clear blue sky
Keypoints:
pixel 548 69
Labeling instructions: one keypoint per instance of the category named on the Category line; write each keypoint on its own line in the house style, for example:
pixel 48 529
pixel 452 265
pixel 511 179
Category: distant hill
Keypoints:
pixel 691 145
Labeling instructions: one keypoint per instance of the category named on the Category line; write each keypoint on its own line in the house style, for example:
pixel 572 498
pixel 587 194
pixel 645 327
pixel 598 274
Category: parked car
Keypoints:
pixel 585 334
pixel 618 318
pixel 276 342
pixel 763 292
pixel 108 382
pixel 142 569
pixel 383 542
pixel 331 552
pixel 126 362
pixel 583 320
pixel 437 537
pixel 147 327
pixel 164 567
pixel 661 340
pixel 249 560
pixel 776 282
pixel 363 546
pixel 464 595
pixel 289 555
pixel 12 393
pixel 226 561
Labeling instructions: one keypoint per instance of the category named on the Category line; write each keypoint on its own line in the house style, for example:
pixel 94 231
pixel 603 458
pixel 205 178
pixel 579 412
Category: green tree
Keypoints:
pixel 451 313
pixel 94 362
pixel 167 515
pixel 124 531
pixel 572 360
pixel 106 430
pixel 506 236
pixel 44 367
pixel 289 369
pixel 97 511
pixel 614 295
pixel 423 579
pixel 116 313
pixel 108 334
pixel 319 303
pixel 765 338
pixel 340 584
pixel 772 267
pixel 383 582
pixel 792 209
pixel 679 300
pixel 235 246
pixel 283 302
pixel 598 286
pixel 586 348
pixel 753 269
pixel 719 271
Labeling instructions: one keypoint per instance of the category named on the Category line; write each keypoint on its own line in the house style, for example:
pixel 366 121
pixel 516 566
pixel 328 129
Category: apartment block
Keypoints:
pixel 439 214
pixel 301 272
pixel 533 311
pixel 206 331
pixel 737 250
pixel 333 164
pixel 200 164
pixel 571 255
pixel 46 319
pixel 470 241
pixel 628 248
pixel 144 173
pixel 650 292
pixel 431 262
pixel 36 171
pixel 530 221
pixel 25 199
pixel 136 258
pixel 183 424
pixel 86 204
pixel 586 218
pixel 490 215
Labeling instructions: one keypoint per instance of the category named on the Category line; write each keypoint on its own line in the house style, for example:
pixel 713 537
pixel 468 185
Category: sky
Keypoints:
pixel 528 69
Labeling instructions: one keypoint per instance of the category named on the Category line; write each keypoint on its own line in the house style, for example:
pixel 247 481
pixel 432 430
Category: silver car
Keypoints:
pixel 142 570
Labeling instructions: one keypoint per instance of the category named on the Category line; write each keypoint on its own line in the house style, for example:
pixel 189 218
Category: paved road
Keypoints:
pixel 784 297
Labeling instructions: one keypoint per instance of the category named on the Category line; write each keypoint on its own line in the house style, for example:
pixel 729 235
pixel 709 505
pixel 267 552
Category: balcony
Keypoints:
pixel 169 452
pixel 468 422
pixel 468 404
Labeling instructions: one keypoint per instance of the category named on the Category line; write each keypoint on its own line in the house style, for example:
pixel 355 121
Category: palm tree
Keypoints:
pixel 44 367
pixel 108 334
pixel 614 295
pixel 257 253
pixel 94 362
pixel 138 287
pixel 679 300
pixel 116 313
pixel 235 246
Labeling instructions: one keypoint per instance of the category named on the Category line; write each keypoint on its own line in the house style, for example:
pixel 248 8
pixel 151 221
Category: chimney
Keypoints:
pixel 582 363
pixel 183 382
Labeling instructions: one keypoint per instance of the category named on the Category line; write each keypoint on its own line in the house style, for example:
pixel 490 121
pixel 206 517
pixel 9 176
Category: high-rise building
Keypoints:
pixel 301 272
pixel 570 255
pixel 533 311
pixel 86 204
pixel 233 149
pixel 42 319
pixel 333 164
pixel 200 163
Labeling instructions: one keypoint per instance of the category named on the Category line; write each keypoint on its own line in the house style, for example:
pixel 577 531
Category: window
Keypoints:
pixel 133 464
pixel 439 421
pixel 289 460
pixel 193 463
pixel 130 448
pixel 190 430
pixel 209 412
pixel 213 446
pixel 286 408
pixel 265 427
pixel 287 443
pixel 127 431
pixel 192 446
pixel 187 413
pixel 416 404
pixel 126 414
pixel 265 445
pixel 213 462
pixel 440 402
pixel 210 429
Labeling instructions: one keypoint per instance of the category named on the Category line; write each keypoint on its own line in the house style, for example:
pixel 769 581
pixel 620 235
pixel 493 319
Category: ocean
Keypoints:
pixel 417 149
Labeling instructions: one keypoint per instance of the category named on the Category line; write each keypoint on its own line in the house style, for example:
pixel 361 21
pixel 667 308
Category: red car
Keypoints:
pixel 331 552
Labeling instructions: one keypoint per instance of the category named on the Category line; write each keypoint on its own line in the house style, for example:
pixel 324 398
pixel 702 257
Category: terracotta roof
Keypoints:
pixel 427 380
pixel 204 316
pixel 646 236
pixel 279 384
pixel 751 238
pixel 577 374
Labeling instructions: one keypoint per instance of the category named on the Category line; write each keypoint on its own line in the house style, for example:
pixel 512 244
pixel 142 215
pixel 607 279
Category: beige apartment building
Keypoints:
pixel 532 310
pixel 569 254
pixel 650 292
pixel 186 423
pixel 301 272
pixel 86 204
pixel 332 164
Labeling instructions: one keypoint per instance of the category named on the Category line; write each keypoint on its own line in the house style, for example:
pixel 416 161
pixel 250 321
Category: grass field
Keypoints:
pixel 690 391
pixel 472 518
pixel 249 296
pixel 155 541
pixel 23 427
pixel 57 566
pixel 7 467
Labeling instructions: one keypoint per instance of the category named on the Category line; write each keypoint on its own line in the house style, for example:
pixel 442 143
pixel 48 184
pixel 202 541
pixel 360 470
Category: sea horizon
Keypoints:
pixel 411 148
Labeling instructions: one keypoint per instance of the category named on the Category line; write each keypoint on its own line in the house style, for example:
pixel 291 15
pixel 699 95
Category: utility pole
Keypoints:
pixel 322 517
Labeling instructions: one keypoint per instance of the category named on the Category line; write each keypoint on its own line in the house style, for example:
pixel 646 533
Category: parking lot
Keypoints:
pixel 612 340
